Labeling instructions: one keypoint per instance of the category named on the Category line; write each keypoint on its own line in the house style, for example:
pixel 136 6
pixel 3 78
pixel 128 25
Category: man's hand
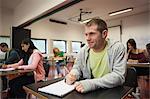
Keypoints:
pixel 70 78
pixel 79 87
pixel 4 66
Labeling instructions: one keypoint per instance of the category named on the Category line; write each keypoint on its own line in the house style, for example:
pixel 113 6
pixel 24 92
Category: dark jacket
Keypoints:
pixel 11 57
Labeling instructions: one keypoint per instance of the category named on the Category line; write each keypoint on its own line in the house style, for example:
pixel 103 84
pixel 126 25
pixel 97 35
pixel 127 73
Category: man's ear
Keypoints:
pixel 104 34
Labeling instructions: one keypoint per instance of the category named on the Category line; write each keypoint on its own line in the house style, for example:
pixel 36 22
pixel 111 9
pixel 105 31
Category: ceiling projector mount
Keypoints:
pixel 83 13
pixel 79 18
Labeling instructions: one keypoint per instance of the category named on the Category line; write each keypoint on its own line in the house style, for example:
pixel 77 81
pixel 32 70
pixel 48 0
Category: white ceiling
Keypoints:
pixel 101 8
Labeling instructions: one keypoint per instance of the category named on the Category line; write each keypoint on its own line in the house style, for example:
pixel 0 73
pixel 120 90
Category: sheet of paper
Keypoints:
pixel 7 69
pixel 59 88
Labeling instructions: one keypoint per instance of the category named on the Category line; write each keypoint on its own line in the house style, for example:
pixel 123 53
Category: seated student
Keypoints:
pixel 2 56
pixel 35 62
pixel 11 57
pixel 148 52
pixel 135 55
pixel 59 58
pixel 101 63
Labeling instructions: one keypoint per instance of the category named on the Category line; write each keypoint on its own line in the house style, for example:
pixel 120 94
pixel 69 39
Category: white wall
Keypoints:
pixel 136 26
pixel 7 20
pixel 149 16
pixel 0 18
pixel 49 31
pixel 29 9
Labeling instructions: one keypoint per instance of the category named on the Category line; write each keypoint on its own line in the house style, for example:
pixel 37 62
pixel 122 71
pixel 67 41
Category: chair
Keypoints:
pixel 131 78
pixel 131 81
pixel 29 95
pixel 46 67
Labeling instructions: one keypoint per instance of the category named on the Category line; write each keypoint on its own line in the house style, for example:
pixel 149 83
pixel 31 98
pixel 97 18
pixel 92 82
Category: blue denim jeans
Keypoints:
pixel 58 67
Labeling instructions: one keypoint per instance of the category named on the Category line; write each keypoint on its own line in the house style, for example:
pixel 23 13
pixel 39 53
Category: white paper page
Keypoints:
pixel 7 69
pixel 59 88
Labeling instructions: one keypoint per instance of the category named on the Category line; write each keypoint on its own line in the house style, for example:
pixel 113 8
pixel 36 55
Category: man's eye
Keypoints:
pixel 91 33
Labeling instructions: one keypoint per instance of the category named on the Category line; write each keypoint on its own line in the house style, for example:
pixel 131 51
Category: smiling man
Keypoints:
pixel 101 63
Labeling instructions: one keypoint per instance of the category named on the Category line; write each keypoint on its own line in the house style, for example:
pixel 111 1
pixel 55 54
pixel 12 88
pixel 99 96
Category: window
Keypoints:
pixel 61 44
pixel 76 46
pixel 40 44
pixel 5 39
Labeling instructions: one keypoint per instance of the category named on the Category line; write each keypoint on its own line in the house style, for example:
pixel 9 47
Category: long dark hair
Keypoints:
pixel 31 47
pixel 148 48
pixel 132 43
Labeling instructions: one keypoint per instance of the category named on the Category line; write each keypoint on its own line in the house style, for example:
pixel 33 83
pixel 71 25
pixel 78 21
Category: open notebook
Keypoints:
pixel 59 88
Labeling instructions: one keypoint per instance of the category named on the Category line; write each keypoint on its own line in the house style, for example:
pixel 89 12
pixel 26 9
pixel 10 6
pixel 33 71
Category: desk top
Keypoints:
pixel 4 73
pixel 113 93
pixel 138 64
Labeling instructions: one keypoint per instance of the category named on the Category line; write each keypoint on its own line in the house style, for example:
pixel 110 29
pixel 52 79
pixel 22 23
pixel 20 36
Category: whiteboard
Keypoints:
pixel 114 32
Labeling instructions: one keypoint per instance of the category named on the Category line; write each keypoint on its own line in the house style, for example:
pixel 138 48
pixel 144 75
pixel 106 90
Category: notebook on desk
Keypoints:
pixel 59 88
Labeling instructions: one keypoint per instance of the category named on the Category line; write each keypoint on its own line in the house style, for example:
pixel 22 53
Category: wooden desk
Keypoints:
pixel 138 65
pixel 142 69
pixel 113 93
pixel 5 73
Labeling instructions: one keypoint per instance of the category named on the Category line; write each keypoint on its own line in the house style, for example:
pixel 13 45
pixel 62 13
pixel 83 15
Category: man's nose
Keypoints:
pixel 88 37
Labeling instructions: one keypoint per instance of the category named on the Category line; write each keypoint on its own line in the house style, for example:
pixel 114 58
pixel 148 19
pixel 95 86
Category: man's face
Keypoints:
pixel 4 49
pixel 94 37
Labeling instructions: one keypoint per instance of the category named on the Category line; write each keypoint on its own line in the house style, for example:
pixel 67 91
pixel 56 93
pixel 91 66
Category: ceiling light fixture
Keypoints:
pixel 84 21
pixel 120 11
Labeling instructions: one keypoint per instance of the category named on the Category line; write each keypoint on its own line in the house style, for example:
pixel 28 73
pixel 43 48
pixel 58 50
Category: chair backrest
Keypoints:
pixel 131 78
pixel 46 66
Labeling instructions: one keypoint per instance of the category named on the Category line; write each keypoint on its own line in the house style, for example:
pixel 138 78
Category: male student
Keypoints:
pixel 101 63
pixel 2 55
pixel 11 57
pixel 148 52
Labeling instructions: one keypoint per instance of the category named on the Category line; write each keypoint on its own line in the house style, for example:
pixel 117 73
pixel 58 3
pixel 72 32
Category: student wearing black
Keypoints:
pixel 11 57
pixel 148 52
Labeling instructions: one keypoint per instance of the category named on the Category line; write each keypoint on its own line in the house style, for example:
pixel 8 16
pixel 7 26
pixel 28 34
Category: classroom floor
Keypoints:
pixel 144 87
